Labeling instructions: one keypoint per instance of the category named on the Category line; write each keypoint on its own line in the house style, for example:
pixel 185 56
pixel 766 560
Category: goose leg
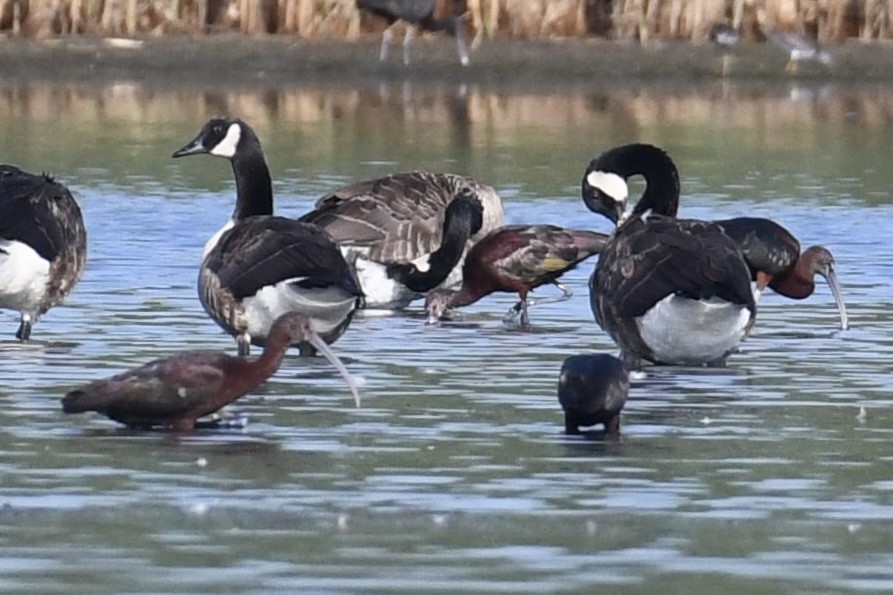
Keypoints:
pixel 407 42
pixel 24 332
pixel 243 341
pixel 386 37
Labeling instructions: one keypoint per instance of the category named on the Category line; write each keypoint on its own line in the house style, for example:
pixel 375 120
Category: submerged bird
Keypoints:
pixel 176 391
pixel 517 258
pixel 799 48
pixel 43 244
pixel 384 223
pixel 416 13
pixel 667 290
pixel 258 266
pixel 773 255
pixel 592 389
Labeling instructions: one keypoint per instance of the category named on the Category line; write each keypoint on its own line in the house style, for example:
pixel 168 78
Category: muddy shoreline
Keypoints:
pixel 280 60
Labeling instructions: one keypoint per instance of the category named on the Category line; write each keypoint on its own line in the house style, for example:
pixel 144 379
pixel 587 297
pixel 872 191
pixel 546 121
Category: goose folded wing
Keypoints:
pixel 398 218
pixel 672 257
pixel 29 209
pixel 271 250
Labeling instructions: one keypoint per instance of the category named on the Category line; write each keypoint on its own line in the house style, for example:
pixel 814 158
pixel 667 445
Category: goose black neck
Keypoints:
pixel 458 227
pixel 662 187
pixel 254 188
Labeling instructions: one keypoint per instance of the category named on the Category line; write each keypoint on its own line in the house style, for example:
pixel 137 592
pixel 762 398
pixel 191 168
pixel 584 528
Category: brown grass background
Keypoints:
pixel 642 20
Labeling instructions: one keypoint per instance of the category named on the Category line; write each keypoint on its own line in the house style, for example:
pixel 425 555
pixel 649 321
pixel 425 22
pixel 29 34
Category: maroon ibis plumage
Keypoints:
pixel 517 259
pixel 174 392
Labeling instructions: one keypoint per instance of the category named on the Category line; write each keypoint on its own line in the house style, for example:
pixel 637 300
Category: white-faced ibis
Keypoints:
pixel 799 48
pixel 175 392
pixel 773 255
pixel 667 290
pixel 517 259
pixel 258 266
pixel 415 13
pixel 43 244
pixel 398 220
pixel 592 389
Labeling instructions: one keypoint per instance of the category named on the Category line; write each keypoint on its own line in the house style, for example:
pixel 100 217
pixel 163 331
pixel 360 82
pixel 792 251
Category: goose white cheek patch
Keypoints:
pixel 610 184
pixel 227 147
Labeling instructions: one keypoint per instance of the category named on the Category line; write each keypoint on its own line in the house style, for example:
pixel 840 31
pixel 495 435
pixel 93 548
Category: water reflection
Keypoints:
pixel 456 474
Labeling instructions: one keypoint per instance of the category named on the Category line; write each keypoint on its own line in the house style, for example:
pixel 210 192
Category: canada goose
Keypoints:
pixel 771 252
pixel 396 220
pixel 416 13
pixel 517 258
pixel 43 244
pixel 667 290
pixel 258 266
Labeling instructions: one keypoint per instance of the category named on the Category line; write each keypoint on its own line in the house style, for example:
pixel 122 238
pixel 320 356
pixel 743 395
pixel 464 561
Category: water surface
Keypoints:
pixel 455 476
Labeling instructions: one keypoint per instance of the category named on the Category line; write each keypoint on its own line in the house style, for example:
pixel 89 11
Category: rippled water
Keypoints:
pixel 455 475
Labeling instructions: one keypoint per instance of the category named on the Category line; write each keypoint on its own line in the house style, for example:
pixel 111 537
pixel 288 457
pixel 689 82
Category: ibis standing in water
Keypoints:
pixel 773 255
pixel 175 392
pixel 517 259
pixel 416 14
pixel 258 266
pixel 43 244
pixel 592 389
pixel 667 290
pixel 399 225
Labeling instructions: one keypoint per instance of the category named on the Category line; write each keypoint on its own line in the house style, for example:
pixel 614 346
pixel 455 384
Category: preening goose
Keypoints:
pixel 772 253
pixel 667 290
pixel 43 244
pixel 259 266
pixel 397 220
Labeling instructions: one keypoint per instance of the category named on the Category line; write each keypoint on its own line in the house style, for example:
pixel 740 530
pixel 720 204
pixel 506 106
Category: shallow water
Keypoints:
pixel 455 476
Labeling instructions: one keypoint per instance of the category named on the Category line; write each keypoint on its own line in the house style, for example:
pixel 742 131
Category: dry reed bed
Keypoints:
pixel 828 20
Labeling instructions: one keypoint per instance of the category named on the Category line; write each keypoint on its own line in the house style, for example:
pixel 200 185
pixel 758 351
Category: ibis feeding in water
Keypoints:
pixel 517 259
pixel 175 392
pixel 667 290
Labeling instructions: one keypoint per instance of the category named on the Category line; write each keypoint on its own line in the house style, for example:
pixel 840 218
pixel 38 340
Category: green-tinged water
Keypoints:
pixel 456 474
